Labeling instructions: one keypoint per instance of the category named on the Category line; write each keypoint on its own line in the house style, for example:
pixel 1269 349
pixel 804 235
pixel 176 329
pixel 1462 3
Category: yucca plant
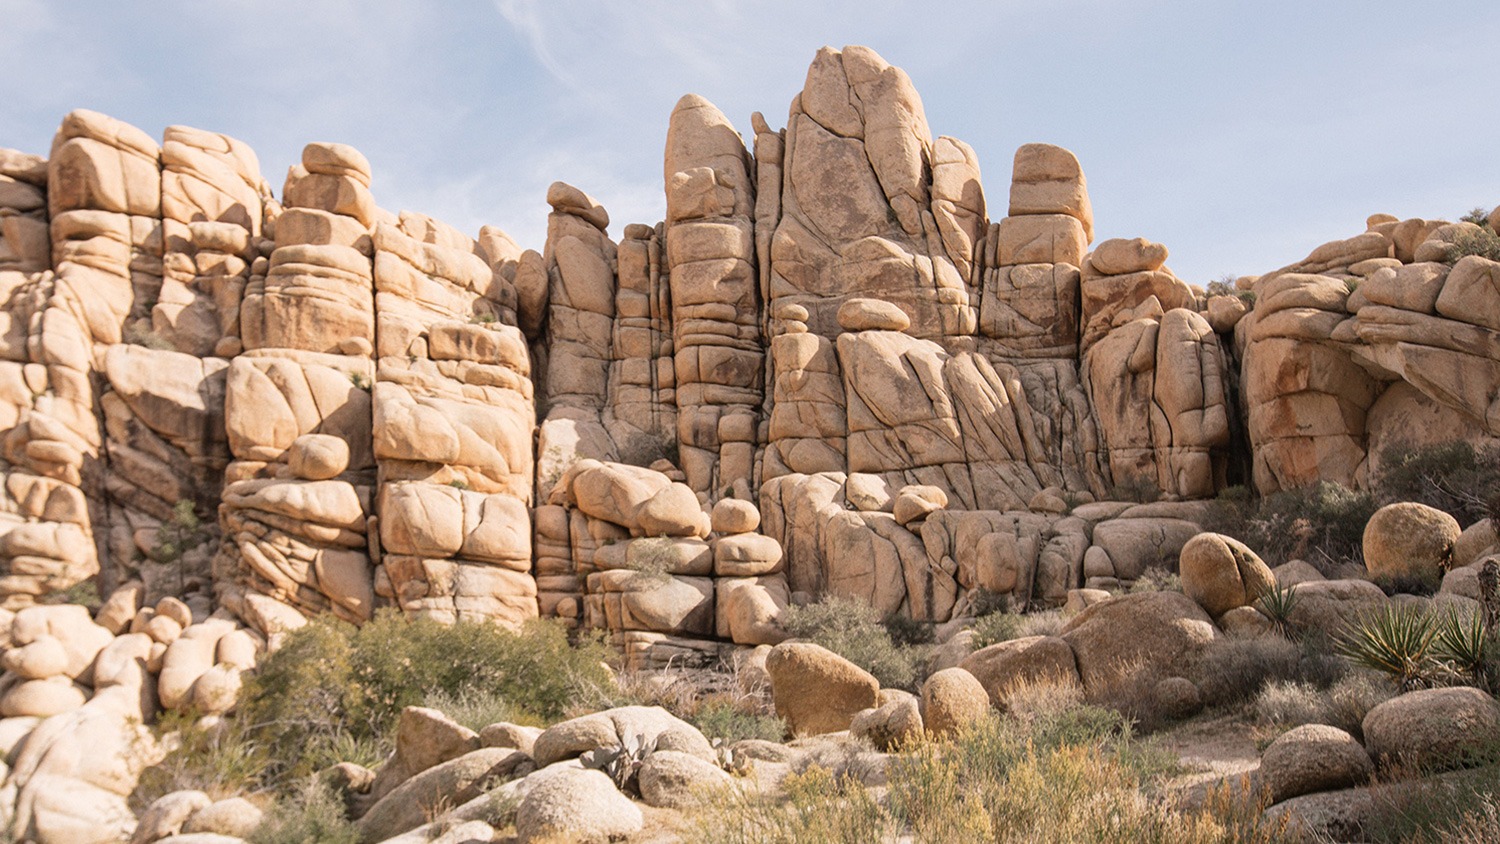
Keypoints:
pixel 622 763
pixel 1462 645
pixel 1277 603
pixel 1394 640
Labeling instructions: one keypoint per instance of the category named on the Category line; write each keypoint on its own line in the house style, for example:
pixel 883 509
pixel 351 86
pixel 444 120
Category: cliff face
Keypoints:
pixel 310 404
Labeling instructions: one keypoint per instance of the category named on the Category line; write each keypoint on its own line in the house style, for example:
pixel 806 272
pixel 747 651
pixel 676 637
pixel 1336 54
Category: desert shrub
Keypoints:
pixel 1322 524
pixel 651 559
pixel 1477 215
pixel 1157 579
pixel 1456 477
pixel 330 683
pixel 852 629
pixel 479 708
pixel 1074 775
pixel 1430 811
pixel 1484 243
pixel 718 718
pixel 179 533
pixel 1222 286
pixel 1479 823
pixel 995 628
pixel 219 760
pixel 311 815
pixel 85 593
pixel 642 448
pixel 907 632
pixel 1232 671
pixel 1352 697
pixel 1285 704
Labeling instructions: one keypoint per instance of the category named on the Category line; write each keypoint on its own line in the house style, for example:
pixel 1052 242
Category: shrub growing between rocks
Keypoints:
pixel 852 629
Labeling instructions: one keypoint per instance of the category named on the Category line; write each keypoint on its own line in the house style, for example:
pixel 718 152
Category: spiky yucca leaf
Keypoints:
pixel 1394 640
pixel 1462 645
pixel 1277 603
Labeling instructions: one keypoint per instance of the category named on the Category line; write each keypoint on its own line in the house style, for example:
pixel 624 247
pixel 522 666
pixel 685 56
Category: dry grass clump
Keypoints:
pixel 1056 773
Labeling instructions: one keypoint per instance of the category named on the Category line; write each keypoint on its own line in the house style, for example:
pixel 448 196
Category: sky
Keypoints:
pixel 1240 134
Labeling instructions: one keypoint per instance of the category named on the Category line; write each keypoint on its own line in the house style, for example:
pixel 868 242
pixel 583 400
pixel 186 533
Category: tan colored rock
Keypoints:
pixel 746 555
pixel 1152 633
pixel 672 779
pixel 318 457
pixel 816 690
pixel 234 817
pixel 1311 758
pixel 505 734
pixel 891 725
pixel 1222 573
pixel 1047 179
pixel 1119 256
pixel 1432 728
pixel 1409 540
pixel 953 699
pixel 917 501
pixel 167 815
pixel 451 783
pixel 1004 667
pixel 572 738
pixel 1329 605
pixel 872 315
pixel 731 516
pixel 576 806
pixel 1474 543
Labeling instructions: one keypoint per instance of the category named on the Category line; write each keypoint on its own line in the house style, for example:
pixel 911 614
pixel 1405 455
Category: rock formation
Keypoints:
pixel 828 370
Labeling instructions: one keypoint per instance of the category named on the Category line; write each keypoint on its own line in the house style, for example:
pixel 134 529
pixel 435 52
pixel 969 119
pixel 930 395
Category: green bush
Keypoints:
pixel 995 628
pixel 312 815
pixel 1484 243
pixel 1455 477
pixel 330 683
pixel 852 629
pixel 722 719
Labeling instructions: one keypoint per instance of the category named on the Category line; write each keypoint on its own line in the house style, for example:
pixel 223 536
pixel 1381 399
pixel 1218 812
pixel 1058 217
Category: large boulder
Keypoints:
pixel 1432 728
pixel 816 690
pixel 951 700
pixel 1330 605
pixel 1005 667
pixel 1158 634
pixel 612 726
pixel 1313 757
pixel 576 805
pixel 1221 573
pixel 453 782
pixel 1409 541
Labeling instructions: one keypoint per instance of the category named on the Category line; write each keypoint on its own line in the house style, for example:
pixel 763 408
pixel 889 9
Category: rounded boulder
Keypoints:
pixel 1409 541
pixel 951 700
pixel 816 690
pixel 1313 757
pixel 1432 729
pixel 1221 573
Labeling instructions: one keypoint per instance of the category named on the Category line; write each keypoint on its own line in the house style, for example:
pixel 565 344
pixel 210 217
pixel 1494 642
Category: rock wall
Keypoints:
pixel 828 369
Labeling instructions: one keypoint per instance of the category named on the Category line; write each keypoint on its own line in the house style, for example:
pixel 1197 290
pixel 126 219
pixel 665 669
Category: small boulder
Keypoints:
pixel 951 700
pixel 1313 757
pixel 872 315
pixel 504 734
pixel 917 501
pixel 891 725
pixel 1409 541
pixel 674 780
pixel 318 457
pixel 576 805
pixel 816 690
pixel 233 816
pixel 167 814
pixel 1432 729
pixel 731 516
pixel 1221 573
pixel 1177 698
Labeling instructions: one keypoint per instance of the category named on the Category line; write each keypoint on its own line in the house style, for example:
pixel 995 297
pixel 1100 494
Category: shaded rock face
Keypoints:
pixel 298 402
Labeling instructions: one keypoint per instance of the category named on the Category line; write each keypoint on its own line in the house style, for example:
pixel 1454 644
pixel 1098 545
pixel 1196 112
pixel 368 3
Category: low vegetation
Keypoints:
pixel 852 629
pixel 1070 774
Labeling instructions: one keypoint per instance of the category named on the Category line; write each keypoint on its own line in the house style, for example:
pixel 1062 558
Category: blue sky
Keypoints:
pixel 1241 134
